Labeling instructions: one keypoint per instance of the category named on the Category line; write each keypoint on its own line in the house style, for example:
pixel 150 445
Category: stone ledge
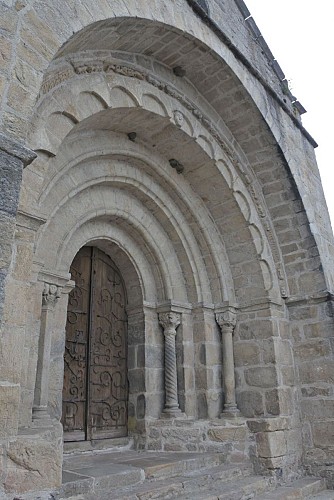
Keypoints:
pixel 270 424
pixel 16 149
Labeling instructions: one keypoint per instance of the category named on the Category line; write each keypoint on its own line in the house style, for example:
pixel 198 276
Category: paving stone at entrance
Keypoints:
pixel 97 471
pixel 132 475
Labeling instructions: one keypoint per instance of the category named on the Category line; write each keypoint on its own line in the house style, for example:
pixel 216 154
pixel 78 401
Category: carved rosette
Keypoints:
pixel 169 322
pixel 51 294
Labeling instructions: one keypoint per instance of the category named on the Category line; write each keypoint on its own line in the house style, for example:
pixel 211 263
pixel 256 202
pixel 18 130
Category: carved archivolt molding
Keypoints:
pixel 100 64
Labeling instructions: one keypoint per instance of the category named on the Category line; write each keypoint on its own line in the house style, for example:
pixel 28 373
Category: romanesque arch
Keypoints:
pixel 183 177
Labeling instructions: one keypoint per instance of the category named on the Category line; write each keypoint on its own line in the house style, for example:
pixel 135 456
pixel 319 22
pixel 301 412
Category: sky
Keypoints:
pixel 300 34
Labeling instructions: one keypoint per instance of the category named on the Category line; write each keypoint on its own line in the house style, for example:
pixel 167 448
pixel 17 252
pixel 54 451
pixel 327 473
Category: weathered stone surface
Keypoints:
pixel 269 424
pixel 314 371
pixel 250 403
pixel 35 462
pixel 246 353
pixel 9 404
pixel 323 433
pixel 271 444
pixel 227 434
pixel 261 376
pixel 313 349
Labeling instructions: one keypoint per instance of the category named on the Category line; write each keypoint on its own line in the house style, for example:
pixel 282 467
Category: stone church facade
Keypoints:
pixel 166 267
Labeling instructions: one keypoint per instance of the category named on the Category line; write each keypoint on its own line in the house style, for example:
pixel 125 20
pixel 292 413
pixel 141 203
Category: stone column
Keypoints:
pixel 51 294
pixel 227 320
pixel 169 322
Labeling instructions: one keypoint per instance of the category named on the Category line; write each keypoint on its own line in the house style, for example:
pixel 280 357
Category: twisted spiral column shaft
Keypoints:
pixel 170 321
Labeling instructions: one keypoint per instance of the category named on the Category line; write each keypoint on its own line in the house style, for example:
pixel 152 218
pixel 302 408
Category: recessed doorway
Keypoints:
pixel 95 391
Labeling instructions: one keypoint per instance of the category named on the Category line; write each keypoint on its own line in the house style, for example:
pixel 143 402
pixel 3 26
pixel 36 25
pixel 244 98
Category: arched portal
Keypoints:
pixel 182 182
pixel 95 391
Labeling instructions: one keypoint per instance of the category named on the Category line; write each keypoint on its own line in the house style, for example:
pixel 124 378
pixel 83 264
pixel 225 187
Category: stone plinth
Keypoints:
pixel 228 436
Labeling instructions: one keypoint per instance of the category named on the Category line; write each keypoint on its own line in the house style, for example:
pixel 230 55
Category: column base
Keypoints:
pixel 40 414
pixel 230 411
pixel 170 413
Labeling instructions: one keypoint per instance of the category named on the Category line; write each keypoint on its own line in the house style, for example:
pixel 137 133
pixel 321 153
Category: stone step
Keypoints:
pixel 246 488
pixel 323 495
pixel 102 471
pixel 131 475
pixel 302 488
pixel 182 465
pixel 241 489
pixel 194 481
pixel 115 444
pixel 99 481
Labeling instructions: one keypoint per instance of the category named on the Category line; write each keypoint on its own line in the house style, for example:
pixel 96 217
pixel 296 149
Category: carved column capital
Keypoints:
pixel 51 294
pixel 169 322
pixel 227 320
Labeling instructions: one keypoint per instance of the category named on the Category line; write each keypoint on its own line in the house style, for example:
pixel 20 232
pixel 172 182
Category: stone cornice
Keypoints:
pixel 173 306
pixel 62 281
pixel 29 221
pixel 316 298
pixel 17 149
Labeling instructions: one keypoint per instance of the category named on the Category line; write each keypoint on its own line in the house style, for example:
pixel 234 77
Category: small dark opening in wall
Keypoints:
pixel 204 6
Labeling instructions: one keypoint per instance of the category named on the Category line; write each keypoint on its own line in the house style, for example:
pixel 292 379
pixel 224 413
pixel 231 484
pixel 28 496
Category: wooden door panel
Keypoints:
pixel 108 370
pixel 74 416
pixel 95 363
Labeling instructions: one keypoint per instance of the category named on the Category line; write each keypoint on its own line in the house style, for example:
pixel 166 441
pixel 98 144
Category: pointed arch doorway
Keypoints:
pixel 95 391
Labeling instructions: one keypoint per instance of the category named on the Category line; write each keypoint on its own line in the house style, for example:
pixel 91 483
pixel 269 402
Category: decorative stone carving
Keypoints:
pixel 227 321
pixel 177 165
pixel 169 322
pixel 55 79
pixel 51 294
pixel 178 118
pixel 100 64
pixel 124 70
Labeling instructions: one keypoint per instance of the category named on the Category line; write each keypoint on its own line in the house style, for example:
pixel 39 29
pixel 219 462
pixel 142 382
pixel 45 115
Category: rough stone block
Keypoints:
pixel 262 376
pixel 246 353
pixel 250 403
pixel 136 380
pixel 9 409
pixel 318 408
pixel 227 433
pixel 315 391
pixel 35 461
pixel 323 433
pixel 271 424
pixel 280 401
pixel 321 370
pixel 7 226
pixel 312 349
pixel 271 444
pixel 257 329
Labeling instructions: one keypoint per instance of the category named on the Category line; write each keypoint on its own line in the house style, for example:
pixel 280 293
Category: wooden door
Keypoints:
pixel 95 389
